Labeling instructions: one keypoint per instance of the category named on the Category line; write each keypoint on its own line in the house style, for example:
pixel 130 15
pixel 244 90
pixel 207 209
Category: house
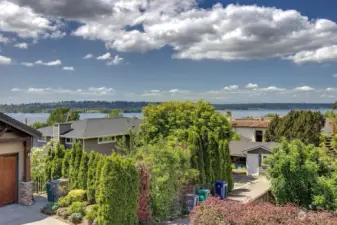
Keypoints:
pixel 252 129
pixel 16 140
pixel 250 151
pixel 251 154
pixel 98 134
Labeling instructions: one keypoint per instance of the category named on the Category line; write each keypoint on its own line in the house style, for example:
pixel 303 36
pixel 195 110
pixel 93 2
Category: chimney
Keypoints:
pixel 59 129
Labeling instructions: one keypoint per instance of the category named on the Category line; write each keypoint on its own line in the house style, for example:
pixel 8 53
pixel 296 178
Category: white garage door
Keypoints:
pixel 253 164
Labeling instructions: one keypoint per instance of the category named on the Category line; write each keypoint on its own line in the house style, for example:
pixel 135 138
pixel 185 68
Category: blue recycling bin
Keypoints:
pixel 221 189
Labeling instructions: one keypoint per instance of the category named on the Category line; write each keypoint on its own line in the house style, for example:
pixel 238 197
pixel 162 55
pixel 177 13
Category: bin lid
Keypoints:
pixel 221 182
pixel 202 191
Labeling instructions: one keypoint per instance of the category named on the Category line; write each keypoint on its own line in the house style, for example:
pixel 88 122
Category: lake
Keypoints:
pixel 42 117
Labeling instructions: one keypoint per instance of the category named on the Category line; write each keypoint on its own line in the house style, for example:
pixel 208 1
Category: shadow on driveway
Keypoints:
pixel 16 214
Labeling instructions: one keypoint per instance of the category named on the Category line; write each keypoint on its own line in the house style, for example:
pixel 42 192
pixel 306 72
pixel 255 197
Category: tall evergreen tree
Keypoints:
pixel 100 163
pixel 77 148
pixel 92 163
pixel 56 168
pixel 83 172
pixel 228 166
pixel 66 164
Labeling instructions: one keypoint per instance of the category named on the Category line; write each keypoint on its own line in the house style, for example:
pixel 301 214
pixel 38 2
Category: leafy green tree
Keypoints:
pixel 115 113
pixel 38 125
pixel 293 174
pixel 169 164
pixel 199 125
pixel 83 172
pixel 38 164
pixel 118 197
pixel 62 115
pixel 304 125
pixel 66 162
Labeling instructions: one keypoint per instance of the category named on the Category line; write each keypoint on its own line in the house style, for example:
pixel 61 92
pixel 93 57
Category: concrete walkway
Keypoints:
pixel 29 215
pixel 250 191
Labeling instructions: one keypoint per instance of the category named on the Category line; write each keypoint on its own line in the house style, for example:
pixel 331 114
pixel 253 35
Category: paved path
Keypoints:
pixel 184 221
pixel 250 191
pixel 29 215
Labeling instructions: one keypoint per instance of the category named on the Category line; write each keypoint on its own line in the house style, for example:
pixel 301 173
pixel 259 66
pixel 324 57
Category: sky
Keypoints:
pixel 222 51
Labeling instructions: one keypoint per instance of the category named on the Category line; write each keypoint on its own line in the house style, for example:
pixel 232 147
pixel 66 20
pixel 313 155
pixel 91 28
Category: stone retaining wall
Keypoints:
pixel 26 193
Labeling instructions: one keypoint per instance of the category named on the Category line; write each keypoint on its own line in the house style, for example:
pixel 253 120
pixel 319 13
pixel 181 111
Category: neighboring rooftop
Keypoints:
pixel 97 127
pixel 18 125
pixel 252 123
pixel 238 148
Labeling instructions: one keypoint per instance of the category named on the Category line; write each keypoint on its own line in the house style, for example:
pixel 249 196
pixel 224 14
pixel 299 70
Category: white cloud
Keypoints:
pixel 234 32
pixel 319 55
pixel 51 63
pixel 116 61
pixel 331 89
pixel 304 88
pixel 28 64
pixel 22 45
pixel 106 56
pixel 231 87
pixel 16 90
pixel 69 68
pixel 88 56
pixel 23 21
pixel 154 91
pixel 272 88
pixel 334 75
pixel 92 91
pixel 250 85
pixel 3 39
pixel 5 60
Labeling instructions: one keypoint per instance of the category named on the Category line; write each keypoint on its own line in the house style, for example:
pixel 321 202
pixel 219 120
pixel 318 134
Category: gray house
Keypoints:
pixel 100 134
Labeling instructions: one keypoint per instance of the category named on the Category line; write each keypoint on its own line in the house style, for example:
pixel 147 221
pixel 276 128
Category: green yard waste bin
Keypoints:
pixel 203 194
pixel 49 192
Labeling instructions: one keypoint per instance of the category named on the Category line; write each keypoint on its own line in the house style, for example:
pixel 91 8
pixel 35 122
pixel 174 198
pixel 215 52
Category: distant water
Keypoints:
pixel 42 117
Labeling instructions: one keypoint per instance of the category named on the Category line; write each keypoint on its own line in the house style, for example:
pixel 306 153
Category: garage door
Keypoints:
pixel 8 179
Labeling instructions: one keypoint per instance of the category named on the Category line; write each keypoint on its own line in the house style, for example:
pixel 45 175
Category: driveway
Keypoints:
pixel 18 214
pixel 250 191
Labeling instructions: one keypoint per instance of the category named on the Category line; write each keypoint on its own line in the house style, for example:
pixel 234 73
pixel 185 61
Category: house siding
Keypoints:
pixel 105 149
pixel 248 132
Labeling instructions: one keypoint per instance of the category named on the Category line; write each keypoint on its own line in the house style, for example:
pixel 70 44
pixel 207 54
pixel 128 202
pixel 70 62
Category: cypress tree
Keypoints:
pixel 228 166
pixel 99 166
pixel 56 170
pixel 49 159
pixel 92 163
pixel 66 164
pixel 83 172
pixel 75 169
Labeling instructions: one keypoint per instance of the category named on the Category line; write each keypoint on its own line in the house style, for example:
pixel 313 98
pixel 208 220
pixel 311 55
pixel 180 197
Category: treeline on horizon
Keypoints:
pixel 128 107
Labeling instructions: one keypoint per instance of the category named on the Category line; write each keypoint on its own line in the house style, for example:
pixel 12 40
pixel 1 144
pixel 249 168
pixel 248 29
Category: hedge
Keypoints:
pixel 118 197
pixel 215 211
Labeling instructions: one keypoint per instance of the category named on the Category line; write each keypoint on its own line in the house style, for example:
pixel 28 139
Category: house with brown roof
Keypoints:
pixel 250 128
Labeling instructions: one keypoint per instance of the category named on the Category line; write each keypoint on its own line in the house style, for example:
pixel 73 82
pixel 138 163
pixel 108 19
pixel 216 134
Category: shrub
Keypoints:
pixel 63 212
pixel 66 164
pixel 118 197
pixel 56 164
pixel 215 211
pixel 50 208
pixel 77 195
pixel 64 201
pixel 92 214
pixel 76 218
pixel 77 207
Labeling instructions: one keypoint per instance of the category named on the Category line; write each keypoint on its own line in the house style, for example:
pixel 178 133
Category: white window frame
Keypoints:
pixel 67 142
pixel 42 139
pixel 262 159
pixel 101 141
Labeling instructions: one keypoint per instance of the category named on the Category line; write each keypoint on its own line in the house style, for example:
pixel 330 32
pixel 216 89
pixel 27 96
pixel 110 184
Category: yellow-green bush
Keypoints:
pixel 77 207
pixel 77 195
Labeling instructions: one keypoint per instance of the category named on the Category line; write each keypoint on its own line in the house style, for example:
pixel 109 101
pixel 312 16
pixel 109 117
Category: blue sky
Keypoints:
pixel 221 51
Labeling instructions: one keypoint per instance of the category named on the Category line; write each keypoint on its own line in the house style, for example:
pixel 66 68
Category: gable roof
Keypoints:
pixel 96 127
pixel 240 148
pixel 19 126
pixel 253 123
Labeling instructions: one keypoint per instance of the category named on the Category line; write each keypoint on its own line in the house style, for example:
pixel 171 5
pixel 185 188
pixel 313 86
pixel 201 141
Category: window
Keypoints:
pixel 103 140
pixel 258 135
pixel 69 141
pixel 42 139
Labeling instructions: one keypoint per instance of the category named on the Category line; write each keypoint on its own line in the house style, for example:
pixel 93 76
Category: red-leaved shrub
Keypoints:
pixel 214 211
pixel 144 212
